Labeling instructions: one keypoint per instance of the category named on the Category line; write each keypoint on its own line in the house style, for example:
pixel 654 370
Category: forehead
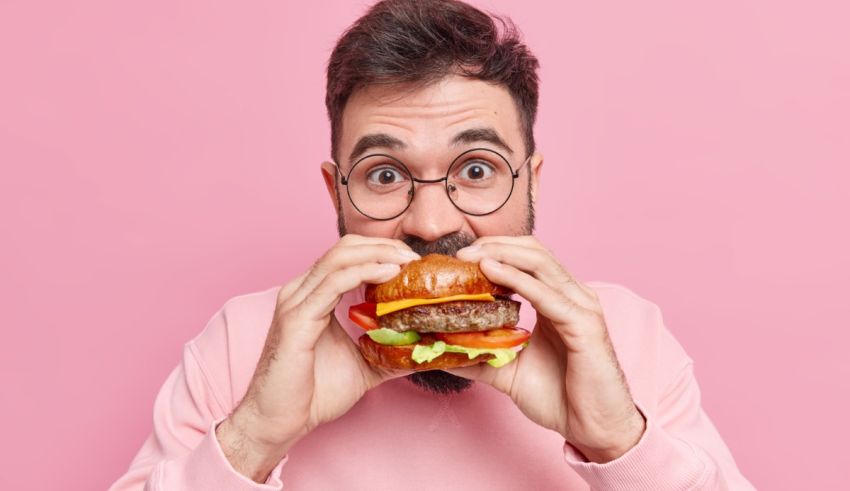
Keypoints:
pixel 427 119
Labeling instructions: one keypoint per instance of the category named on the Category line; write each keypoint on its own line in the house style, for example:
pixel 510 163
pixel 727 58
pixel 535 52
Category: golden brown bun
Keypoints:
pixel 434 276
pixel 399 357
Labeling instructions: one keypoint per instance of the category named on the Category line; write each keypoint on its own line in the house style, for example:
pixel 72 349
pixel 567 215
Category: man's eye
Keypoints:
pixel 475 171
pixel 385 175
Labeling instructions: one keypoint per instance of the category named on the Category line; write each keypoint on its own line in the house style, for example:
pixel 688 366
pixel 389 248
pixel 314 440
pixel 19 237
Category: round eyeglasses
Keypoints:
pixel 478 182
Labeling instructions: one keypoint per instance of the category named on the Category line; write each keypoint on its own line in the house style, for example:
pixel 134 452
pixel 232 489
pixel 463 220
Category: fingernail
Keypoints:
pixel 470 249
pixel 388 268
pixel 409 254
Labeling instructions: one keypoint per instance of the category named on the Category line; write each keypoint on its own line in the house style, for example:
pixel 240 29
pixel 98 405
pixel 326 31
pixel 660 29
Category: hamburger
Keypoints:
pixel 439 312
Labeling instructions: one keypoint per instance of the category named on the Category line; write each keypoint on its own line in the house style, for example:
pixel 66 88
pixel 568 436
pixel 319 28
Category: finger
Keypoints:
pixel 531 242
pixel 288 289
pixel 532 260
pixel 343 256
pixel 354 239
pixel 380 375
pixel 305 322
pixel 481 373
pixel 372 375
pixel 322 301
pixel 555 306
pixel 523 240
pixel 501 379
pixel 536 261
pixel 349 255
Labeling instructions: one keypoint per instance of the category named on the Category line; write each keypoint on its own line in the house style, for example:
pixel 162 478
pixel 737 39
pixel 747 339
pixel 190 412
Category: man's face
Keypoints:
pixel 426 128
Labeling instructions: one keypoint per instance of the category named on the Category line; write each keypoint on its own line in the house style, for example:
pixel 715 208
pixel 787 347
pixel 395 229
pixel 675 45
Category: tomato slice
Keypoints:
pixel 503 337
pixel 363 314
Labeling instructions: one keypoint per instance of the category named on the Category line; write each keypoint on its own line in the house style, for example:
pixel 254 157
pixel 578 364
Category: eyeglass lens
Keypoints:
pixel 478 182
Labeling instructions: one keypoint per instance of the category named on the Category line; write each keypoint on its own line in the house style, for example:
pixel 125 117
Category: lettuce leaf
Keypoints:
pixel 393 338
pixel 423 353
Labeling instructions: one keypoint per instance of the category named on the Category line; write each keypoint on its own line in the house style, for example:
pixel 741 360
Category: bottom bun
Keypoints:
pixel 399 357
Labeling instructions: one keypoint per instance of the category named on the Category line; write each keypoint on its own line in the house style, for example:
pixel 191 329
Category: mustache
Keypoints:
pixel 447 244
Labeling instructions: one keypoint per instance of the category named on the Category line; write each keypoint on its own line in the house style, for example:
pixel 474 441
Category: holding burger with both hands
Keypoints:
pixel 432 108
pixel 434 312
pixel 438 313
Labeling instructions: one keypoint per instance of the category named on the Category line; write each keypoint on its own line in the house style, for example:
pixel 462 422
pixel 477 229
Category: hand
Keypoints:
pixel 567 379
pixel 310 372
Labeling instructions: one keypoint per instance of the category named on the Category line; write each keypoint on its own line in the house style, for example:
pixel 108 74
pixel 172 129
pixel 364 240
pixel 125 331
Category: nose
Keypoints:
pixel 431 214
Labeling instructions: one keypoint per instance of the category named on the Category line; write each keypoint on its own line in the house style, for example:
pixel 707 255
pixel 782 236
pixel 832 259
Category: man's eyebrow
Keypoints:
pixel 369 142
pixel 474 135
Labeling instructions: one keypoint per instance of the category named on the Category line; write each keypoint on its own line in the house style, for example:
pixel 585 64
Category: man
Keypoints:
pixel 274 392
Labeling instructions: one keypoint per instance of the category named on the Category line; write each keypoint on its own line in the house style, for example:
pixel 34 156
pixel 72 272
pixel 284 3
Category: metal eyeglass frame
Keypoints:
pixel 344 180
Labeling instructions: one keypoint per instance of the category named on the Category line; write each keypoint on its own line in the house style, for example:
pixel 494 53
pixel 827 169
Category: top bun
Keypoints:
pixel 434 276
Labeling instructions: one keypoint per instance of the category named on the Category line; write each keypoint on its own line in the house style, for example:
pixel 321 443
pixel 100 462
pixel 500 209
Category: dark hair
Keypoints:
pixel 422 41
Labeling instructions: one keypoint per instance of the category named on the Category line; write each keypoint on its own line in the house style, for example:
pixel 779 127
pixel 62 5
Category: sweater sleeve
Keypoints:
pixel 182 452
pixel 679 450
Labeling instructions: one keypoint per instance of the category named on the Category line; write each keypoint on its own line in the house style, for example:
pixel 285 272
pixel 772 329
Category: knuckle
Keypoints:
pixel 290 289
pixel 307 308
pixel 362 270
pixel 387 249
pixel 564 282
pixel 332 256
pixel 565 308
pixel 596 316
pixel 331 279
pixel 317 272
pixel 493 248
pixel 281 320
pixel 287 304
pixel 283 298
pixel 348 239
pixel 540 259
pixel 590 314
pixel 287 290
pixel 335 280
pixel 549 256
pixel 317 264
pixel 328 263
pixel 532 241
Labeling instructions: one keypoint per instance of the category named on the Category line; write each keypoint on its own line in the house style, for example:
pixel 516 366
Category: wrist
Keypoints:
pixel 248 453
pixel 616 446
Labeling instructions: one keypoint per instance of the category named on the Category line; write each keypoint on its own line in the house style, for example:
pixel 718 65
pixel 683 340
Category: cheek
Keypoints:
pixel 356 223
pixel 509 220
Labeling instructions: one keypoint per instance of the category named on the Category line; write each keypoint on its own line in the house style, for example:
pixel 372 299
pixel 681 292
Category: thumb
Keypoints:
pixel 485 373
pixel 374 375
pixel 385 374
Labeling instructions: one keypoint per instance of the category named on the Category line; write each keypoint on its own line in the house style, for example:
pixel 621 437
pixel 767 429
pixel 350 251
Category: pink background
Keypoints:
pixel 160 157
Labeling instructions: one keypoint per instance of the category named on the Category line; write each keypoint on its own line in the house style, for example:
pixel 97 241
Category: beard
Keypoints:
pixel 440 381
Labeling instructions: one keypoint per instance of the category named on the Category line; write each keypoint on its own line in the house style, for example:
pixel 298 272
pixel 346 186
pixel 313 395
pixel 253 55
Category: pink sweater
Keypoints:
pixel 399 437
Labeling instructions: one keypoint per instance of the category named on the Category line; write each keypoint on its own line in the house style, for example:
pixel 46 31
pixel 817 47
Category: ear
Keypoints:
pixel 536 167
pixel 330 175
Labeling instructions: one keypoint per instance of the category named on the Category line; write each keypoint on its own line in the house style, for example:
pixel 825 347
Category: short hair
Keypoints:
pixel 423 41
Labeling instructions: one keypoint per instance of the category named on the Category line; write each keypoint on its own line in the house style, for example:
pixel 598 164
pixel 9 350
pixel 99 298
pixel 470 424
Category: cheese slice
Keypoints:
pixel 384 308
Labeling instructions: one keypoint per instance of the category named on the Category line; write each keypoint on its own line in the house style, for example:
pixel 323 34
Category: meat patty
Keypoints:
pixel 465 315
